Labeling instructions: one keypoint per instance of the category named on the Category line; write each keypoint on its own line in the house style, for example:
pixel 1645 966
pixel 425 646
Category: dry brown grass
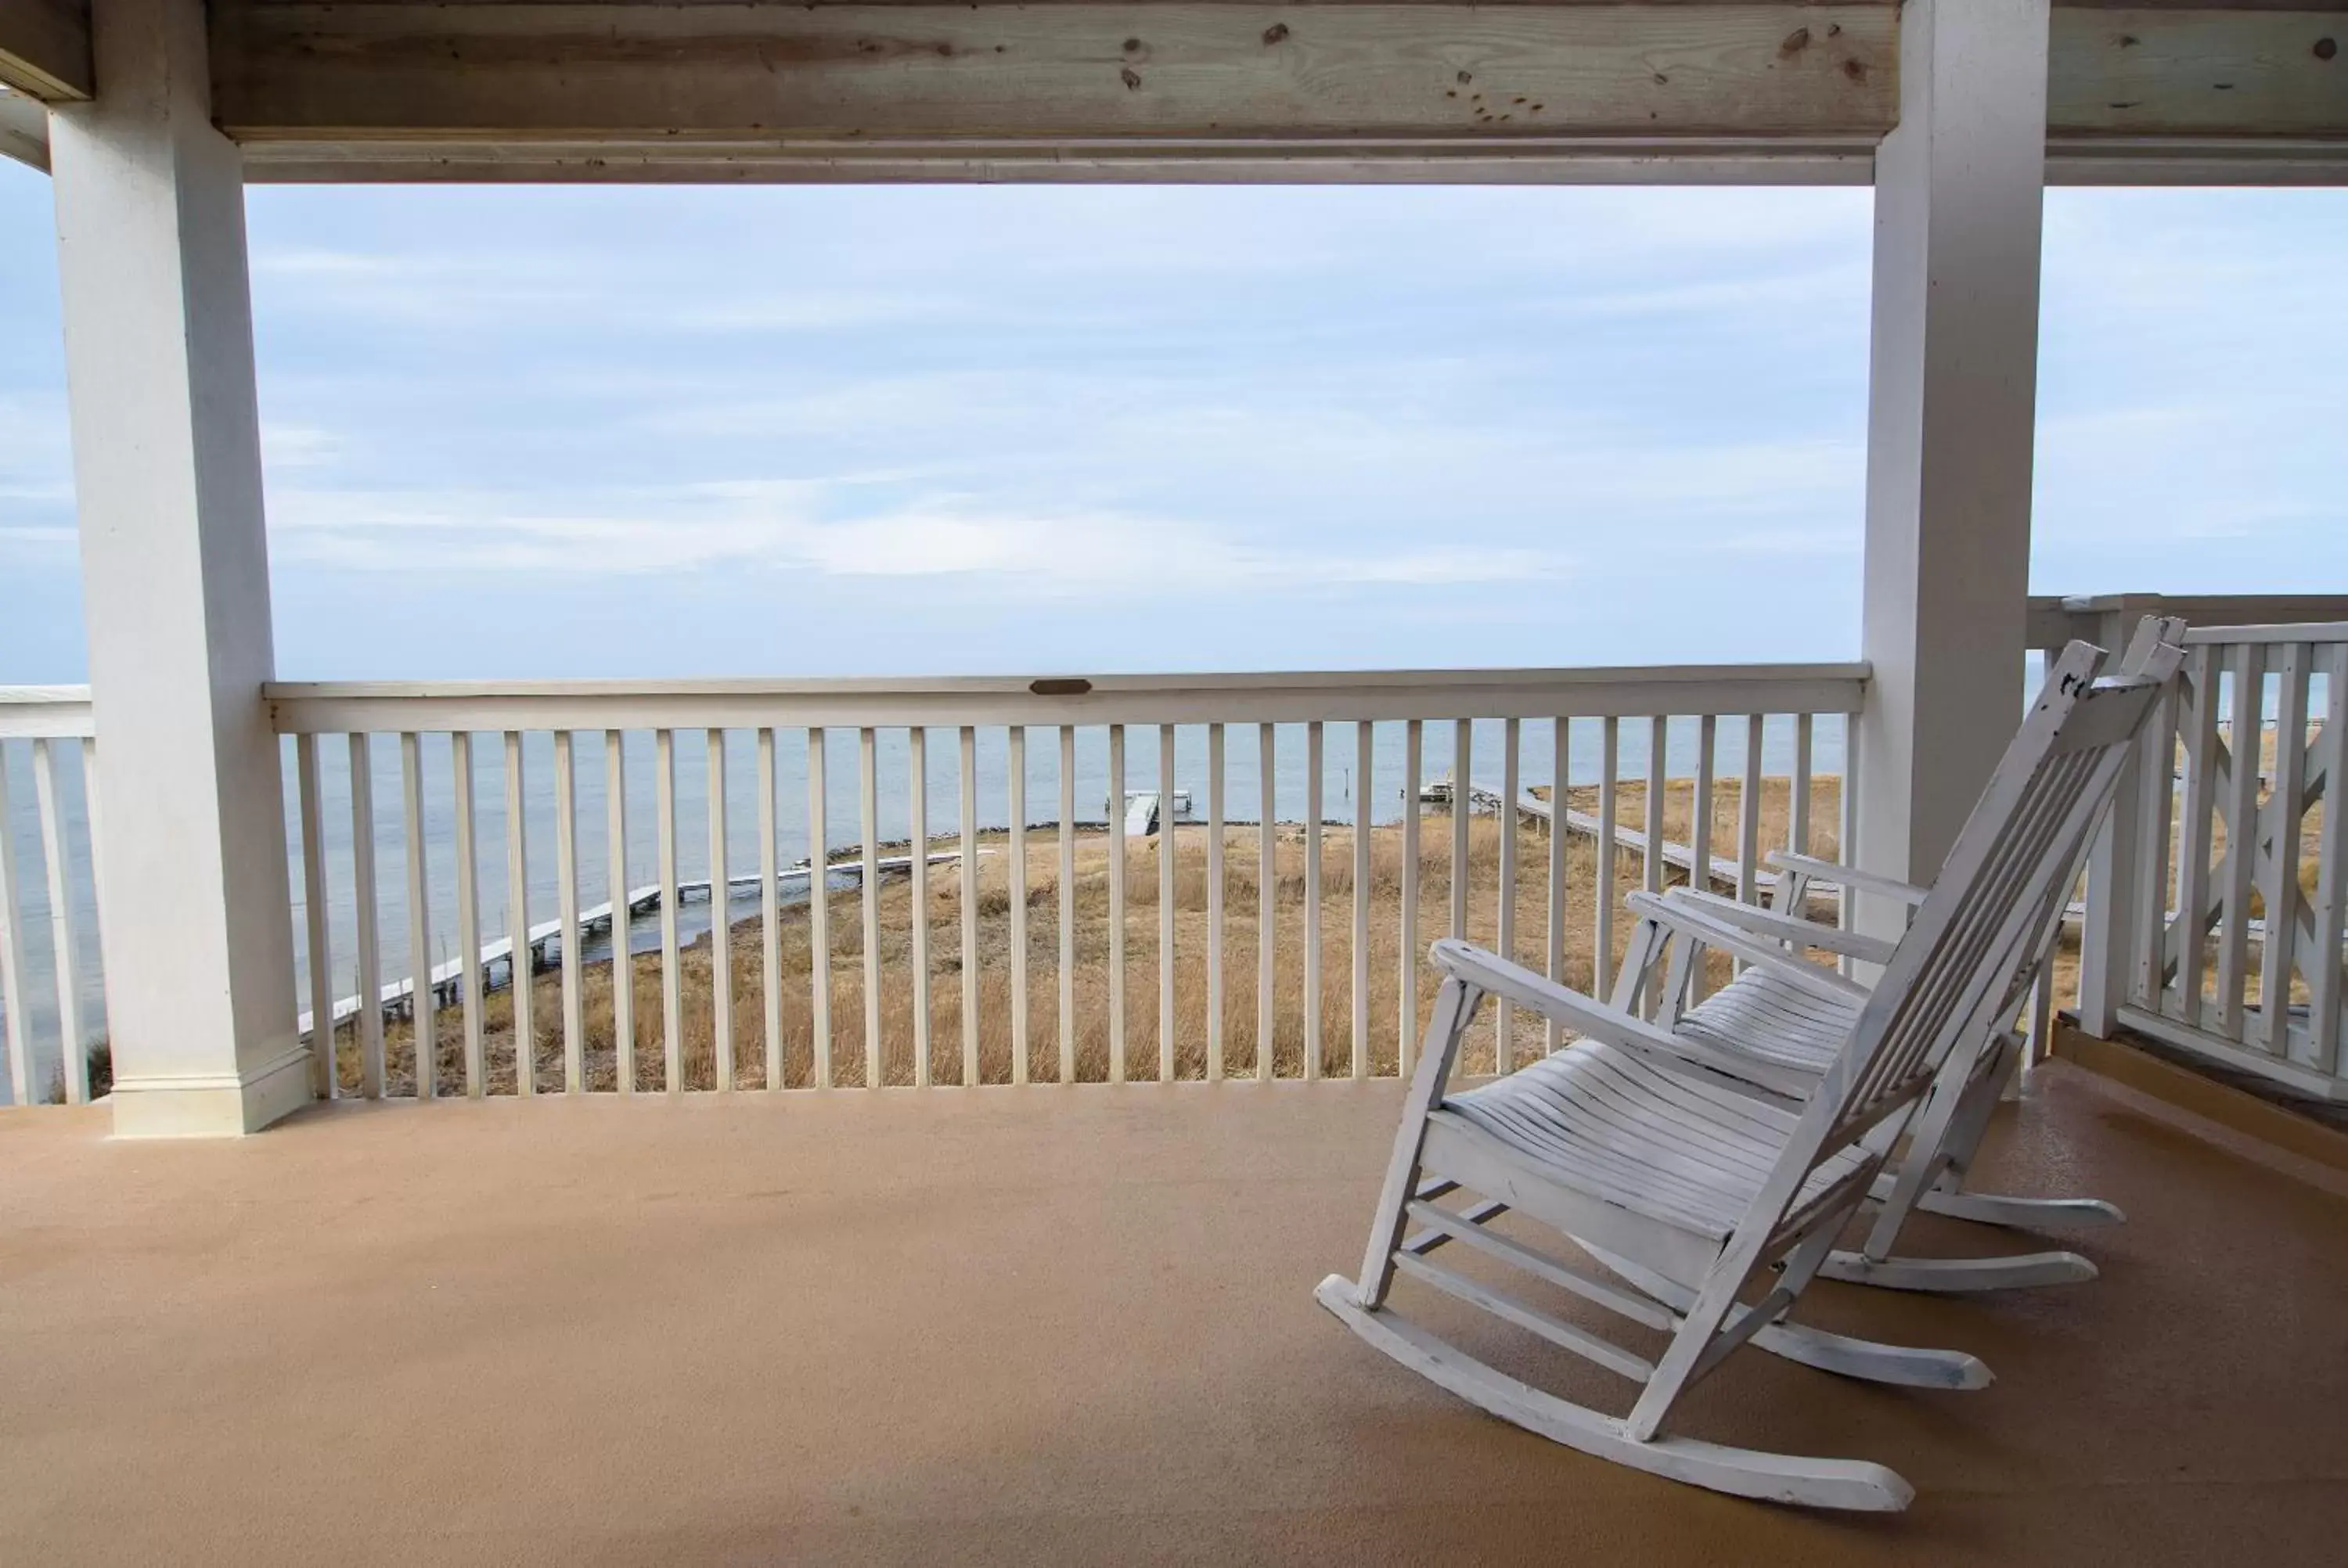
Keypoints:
pixel 1090 974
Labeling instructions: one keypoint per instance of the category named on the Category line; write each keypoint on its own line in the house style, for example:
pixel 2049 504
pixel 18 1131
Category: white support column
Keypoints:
pixel 1953 401
pixel 175 581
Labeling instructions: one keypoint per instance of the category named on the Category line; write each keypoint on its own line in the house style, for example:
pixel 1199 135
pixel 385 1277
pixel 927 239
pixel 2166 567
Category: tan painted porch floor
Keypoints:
pixel 1045 1325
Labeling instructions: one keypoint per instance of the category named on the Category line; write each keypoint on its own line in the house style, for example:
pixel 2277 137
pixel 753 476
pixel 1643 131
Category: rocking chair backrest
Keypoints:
pixel 2152 634
pixel 2005 879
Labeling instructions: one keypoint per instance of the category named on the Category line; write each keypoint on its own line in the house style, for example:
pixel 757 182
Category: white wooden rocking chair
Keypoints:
pixel 1690 1189
pixel 1764 1014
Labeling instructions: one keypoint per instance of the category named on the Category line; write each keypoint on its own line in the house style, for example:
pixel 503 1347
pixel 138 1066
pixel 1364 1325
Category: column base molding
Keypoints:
pixel 214 1105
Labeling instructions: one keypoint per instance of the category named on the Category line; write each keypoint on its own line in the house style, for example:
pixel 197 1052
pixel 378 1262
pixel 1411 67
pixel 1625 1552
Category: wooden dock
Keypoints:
pixel 1484 798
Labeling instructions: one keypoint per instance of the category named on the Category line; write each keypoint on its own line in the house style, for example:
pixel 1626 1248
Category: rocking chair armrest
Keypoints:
pixel 1812 870
pixel 1691 922
pixel 1497 976
pixel 1770 926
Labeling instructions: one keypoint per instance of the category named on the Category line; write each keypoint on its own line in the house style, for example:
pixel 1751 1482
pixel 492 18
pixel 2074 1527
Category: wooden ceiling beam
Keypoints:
pixel 1690 90
pixel 45 49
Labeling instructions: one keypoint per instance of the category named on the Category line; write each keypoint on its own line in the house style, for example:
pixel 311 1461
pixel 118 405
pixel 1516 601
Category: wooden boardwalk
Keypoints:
pixel 1484 798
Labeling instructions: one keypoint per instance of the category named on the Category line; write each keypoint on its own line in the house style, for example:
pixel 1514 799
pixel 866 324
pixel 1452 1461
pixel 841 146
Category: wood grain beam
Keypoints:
pixel 24 129
pixel 1688 91
pixel 45 49
pixel 2160 95
pixel 1036 84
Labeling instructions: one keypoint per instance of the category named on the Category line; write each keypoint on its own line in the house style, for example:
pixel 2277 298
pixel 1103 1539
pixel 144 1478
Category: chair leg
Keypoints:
pixel 1455 1008
pixel 1704 1317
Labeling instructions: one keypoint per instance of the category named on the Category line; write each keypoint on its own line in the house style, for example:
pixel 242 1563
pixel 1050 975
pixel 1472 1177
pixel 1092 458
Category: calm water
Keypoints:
pixel 1345 796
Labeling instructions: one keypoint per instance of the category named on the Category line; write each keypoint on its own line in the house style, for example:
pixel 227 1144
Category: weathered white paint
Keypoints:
pixel 1689 1180
pixel 175 582
pixel 1953 377
pixel 1281 697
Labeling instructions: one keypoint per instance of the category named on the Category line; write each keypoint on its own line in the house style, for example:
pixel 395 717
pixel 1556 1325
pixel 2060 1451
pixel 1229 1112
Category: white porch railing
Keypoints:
pixel 2214 914
pixel 474 811
pixel 1042 948
pixel 48 978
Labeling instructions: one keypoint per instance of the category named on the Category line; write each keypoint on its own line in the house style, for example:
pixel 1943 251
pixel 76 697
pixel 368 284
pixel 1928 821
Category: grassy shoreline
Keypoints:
pixel 1089 977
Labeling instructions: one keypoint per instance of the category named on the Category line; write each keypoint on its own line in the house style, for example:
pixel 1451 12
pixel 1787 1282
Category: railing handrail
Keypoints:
pixel 2055 619
pixel 45 713
pixel 2287 631
pixel 1275 697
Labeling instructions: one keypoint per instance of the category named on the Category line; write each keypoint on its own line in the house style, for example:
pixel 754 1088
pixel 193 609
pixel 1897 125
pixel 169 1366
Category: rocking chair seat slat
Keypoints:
pixel 1761 1015
pixel 1607 1123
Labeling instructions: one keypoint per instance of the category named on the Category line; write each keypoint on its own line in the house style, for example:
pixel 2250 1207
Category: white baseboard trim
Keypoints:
pixel 214 1105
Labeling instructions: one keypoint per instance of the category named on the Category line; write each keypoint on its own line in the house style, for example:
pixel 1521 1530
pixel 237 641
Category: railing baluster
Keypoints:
pixel 672 984
pixel 1463 806
pixel 1414 759
pixel 97 838
pixel 917 840
pixel 2281 889
pixel 869 813
pixel 314 913
pixel 1653 871
pixel 566 893
pixel 469 910
pixel 2323 980
pixel 1116 903
pixel 1267 888
pixel 2193 867
pixel 1797 822
pixel 819 913
pixel 1748 814
pixel 421 1014
pixel 1015 746
pixel 721 946
pixel 1560 744
pixel 1067 973
pixel 1847 831
pixel 369 1020
pixel 2157 819
pixel 1364 757
pixel 1503 1018
pixel 624 969
pixel 1214 903
pixel 770 926
pixel 2241 835
pixel 1602 943
pixel 72 1062
pixel 517 959
pixel 969 906
pixel 1314 759
pixel 1166 905
pixel 13 1008
pixel 1700 793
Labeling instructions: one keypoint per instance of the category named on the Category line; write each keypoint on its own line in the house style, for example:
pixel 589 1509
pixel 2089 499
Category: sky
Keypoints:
pixel 556 432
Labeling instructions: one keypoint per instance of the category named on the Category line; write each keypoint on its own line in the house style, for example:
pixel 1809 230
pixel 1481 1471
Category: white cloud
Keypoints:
pixel 792 527
pixel 298 446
